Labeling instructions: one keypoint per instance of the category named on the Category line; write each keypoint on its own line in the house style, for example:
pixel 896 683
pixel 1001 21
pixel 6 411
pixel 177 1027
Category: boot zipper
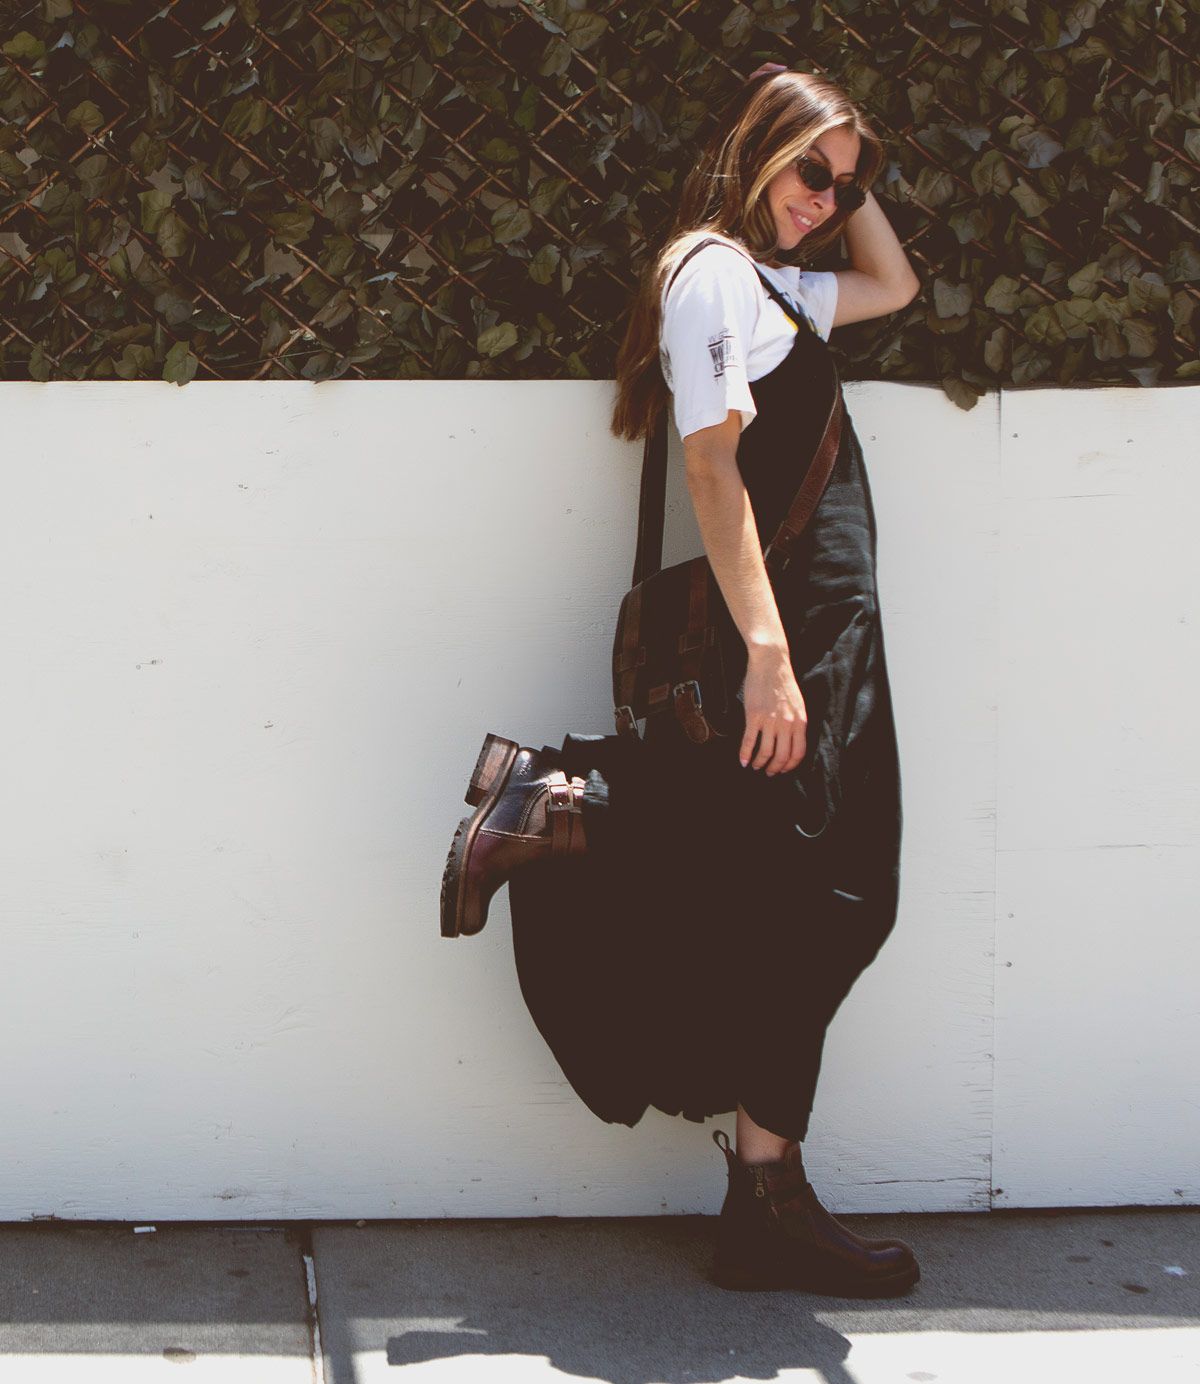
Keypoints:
pixel 759 1189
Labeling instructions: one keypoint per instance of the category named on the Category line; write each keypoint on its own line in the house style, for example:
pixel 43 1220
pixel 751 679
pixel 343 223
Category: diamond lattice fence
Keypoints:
pixel 436 189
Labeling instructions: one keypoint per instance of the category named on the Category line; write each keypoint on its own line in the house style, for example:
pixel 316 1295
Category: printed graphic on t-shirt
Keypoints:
pixel 721 349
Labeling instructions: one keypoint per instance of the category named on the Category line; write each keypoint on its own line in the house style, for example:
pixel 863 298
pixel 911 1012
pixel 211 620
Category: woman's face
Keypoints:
pixel 792 203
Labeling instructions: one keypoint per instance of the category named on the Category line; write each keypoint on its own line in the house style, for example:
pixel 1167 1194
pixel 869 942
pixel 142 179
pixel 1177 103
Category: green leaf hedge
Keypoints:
pixel 448 190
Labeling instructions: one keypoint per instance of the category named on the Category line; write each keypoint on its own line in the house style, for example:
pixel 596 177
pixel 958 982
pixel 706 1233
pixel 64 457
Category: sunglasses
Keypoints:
pixel 814 175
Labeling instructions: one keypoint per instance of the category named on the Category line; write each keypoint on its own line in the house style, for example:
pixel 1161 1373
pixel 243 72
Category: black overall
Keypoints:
pixel 693 957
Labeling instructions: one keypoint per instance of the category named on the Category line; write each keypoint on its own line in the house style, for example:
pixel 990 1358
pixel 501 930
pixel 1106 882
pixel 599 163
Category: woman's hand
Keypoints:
pixel 775 711
pixel 771 67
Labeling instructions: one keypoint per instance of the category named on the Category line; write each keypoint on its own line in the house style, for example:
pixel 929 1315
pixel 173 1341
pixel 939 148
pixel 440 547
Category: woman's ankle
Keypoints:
pixel 756 1145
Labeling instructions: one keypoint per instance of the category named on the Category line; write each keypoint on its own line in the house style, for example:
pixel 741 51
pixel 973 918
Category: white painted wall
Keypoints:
pixel 253 637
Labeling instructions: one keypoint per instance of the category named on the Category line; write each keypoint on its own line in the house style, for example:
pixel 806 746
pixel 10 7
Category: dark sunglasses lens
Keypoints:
pixel 848 196
pixel 815 175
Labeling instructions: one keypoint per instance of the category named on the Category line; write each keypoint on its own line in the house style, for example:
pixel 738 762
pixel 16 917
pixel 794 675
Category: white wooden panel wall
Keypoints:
pixel 254 634
pixel 1097 1092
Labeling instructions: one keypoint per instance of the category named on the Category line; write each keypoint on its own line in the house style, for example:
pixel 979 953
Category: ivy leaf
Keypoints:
pixel 1147 292
pixel 965 395
pixel 39 364
pixel 934 186
pixel 736 26
pixel 995 351
pixel 344 209
pixel 24 48
pixel 1112 309
pixel 920 97
pixel 511 221
pixel 544 263
pixel 494 340
pixel 1183 264
pixel 336 310
pixel 173 235
pixel 180 365
pixel 135 362
pixel 1108 343
pixel 1140 336
pixel 951 300
pixel 364 146
pixel 524 115
pixel 1043 327
pixel 584 28
pixel 498 150
pixel 154 205
pixel 1037 146
pixel 1003 295
pixel 974 136
pixel 326 137
pixel 87 115
pixel 1028 363
pixel 290 227
pixel 556 58
pixel 1084 281
pixel 991 174
pixel 1146 375
pixel 94 172
pixel 249 115
pixel 1183 305
pixel 1120 263
pixel 546 195
pixel 971 223
pixel 1074 315
pixel 647 122
pixel 1031 202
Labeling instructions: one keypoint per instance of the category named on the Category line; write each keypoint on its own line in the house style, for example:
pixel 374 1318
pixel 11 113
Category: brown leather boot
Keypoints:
pixel 773 1233
pixel 526 809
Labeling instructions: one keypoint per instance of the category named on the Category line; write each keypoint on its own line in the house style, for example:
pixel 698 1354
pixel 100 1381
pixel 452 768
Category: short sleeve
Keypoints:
pixel 819 291
pixel 708 323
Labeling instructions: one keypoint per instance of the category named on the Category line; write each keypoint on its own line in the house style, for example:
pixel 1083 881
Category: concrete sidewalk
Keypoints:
pixel 1005 1296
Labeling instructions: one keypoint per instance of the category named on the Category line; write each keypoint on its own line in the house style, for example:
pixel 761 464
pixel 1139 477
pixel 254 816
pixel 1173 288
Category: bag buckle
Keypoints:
pixel 626 724
pixel 689 711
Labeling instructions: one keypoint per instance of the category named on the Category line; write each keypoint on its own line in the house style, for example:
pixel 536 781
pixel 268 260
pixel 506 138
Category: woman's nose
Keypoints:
pixel 825 200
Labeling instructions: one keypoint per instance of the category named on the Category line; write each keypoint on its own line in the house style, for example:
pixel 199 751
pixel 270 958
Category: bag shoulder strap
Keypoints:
pixel 652 497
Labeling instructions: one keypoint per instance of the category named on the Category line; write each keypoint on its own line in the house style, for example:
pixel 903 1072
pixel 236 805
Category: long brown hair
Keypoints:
pixel 769 123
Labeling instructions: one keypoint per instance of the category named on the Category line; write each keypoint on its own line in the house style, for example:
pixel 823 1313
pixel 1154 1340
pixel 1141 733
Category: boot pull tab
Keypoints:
pixel 719 1135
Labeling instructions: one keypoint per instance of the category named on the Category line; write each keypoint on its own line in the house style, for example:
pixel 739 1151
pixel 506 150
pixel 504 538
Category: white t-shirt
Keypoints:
pixel 721 329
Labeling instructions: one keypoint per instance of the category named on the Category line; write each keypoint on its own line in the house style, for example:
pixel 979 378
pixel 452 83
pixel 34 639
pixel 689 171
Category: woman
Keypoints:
pixel 750 879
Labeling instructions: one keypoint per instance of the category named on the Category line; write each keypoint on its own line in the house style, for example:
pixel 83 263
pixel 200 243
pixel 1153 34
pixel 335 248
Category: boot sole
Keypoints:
pixel 812 1281
pixel 488 778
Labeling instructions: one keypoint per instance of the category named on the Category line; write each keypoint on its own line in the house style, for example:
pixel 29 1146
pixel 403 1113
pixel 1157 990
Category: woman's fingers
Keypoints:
pixel 781 749
pixel 766 748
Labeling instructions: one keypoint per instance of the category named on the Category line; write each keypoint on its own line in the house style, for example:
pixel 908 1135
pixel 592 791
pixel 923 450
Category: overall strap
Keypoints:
pixel 803 320
pixel 777 553
pixel 652 498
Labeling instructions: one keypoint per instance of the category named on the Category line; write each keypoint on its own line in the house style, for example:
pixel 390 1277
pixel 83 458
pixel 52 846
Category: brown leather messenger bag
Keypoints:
pixel 676 646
